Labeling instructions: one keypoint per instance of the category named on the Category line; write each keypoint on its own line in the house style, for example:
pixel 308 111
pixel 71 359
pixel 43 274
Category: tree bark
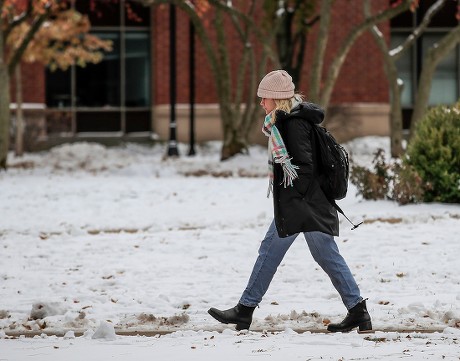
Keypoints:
pixel 20 125
pixel 4 102
pixel 234 123
pixel 389 59
pixel 17 55
pixel 320 50
pixel 292 34
pixel 7 67
pixel 242 119
pixel 234 136
pixel 391 72
pixel 347 44
pixel 234 142
pixel 396 119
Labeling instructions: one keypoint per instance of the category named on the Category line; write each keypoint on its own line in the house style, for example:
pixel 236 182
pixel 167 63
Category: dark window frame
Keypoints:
pixel 404 24
pixel 123 109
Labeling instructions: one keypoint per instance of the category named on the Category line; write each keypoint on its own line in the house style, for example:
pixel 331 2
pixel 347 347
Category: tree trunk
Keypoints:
pixel 233 122
pixel 316 70
pixel 4 115
pixel 396 121
pixel 20 125
pixel 350 39
pixel 4 104
pixel 234 141
pixel 234 145
pixel 391 72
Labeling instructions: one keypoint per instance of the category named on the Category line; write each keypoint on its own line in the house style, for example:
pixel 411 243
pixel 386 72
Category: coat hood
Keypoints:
pixel 313 112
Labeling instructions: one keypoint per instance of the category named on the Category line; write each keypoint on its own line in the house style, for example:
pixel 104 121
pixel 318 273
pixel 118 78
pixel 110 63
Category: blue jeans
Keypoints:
pixel 324 251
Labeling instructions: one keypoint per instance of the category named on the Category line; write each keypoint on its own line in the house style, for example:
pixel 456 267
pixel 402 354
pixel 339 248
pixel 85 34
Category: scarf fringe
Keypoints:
pixel 270 188
pixel 290 173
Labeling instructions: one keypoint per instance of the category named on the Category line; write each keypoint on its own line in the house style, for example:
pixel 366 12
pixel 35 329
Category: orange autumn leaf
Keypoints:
pixel 61 42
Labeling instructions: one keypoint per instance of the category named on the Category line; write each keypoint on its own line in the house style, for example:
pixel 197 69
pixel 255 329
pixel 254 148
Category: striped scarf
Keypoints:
pixel 277 152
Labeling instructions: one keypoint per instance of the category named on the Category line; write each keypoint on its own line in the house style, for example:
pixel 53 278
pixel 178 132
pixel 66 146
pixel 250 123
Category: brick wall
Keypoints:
pixel 361 82
pixel 205 85
pixel 33 84
pixel 361 78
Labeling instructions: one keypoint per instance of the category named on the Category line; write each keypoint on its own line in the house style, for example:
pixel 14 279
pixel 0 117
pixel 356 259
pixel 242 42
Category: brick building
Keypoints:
pixel 127 95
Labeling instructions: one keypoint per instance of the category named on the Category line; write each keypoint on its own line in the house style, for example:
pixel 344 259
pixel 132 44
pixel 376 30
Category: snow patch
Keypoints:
pixel 41 310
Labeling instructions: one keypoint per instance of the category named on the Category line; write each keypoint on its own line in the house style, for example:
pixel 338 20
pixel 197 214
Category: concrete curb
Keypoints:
pixel 156 333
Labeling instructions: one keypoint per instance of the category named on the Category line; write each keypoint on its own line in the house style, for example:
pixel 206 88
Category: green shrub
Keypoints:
pixel 434 153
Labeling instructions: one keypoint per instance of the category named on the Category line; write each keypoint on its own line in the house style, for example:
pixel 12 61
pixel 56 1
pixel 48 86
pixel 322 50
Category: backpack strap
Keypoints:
pixel 335 205
pixel 316 129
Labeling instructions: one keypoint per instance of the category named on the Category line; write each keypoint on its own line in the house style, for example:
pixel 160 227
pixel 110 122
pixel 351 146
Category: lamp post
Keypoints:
pixel 172 144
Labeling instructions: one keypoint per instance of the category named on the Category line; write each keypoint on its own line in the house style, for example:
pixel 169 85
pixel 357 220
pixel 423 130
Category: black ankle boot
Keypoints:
pixel 240 314
pixel 356 317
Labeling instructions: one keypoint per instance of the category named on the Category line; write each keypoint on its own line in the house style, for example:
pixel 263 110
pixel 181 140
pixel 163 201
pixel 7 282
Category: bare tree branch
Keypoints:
pixel 346 45
pixel 395 85
pixel 16 57
pixel 418 31
pixel 391 72
pixel 20 19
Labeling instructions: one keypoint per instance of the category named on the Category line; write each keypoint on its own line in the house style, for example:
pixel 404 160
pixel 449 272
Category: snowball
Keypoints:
pixel 105 331
pixel 451 331
pixel 69 335
pixel 88 334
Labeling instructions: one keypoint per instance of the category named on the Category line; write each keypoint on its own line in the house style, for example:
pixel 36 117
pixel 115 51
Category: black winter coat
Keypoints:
pixel 303 207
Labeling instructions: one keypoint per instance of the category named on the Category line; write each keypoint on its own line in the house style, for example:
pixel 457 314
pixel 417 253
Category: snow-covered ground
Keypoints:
pixel 97 240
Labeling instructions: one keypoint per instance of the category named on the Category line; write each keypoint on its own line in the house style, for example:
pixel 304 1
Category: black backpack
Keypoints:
pixel 334 167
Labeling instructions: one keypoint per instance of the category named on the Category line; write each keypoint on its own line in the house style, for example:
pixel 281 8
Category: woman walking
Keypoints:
pixel 300 206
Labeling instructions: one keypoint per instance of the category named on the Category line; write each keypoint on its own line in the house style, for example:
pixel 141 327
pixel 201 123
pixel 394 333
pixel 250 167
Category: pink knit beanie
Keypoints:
pixel 276 85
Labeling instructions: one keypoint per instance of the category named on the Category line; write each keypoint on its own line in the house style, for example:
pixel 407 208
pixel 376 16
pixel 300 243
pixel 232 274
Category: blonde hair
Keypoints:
pixel 285 104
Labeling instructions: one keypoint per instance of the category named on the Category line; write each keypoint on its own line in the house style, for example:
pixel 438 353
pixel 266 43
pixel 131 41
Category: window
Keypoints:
pixel 98 85
pixel 58 89
pixel 113 95
pixel 137 70
pixel 445 87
